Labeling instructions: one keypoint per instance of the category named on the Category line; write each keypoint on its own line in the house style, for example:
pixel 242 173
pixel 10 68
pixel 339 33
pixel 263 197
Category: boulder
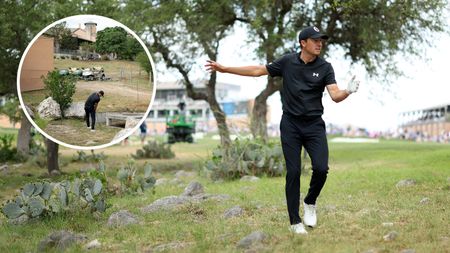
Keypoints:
pixel 131 122
pixel 194 188
pixel 75 110
pixel 60 240
pixel 252 239
pixel 49 109
pixel 121 134
pixel 166 203
pixel 122 218
pixel 29 111
pixel 233 212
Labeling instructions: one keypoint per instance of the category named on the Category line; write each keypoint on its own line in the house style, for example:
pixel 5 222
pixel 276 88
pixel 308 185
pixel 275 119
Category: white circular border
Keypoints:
pixel 83 147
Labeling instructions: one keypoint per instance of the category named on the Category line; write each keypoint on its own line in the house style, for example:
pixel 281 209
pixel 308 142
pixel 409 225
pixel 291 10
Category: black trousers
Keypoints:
pixel 309 133
pixel 90 113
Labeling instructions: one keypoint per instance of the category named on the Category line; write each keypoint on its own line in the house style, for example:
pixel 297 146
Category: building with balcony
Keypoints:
pixel 429 124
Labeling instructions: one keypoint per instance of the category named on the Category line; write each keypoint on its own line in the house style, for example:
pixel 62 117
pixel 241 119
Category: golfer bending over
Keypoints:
pixel 305 76
pixel 90 107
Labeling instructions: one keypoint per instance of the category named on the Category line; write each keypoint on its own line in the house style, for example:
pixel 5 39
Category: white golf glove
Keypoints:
pixel 353 85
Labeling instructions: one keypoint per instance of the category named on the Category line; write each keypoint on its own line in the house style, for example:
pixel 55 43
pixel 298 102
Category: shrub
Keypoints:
pixel 81 156
pixel 247 157
pixel 154 149
pixel 7 152
pixel 60 88
pixel 43 198
pixel 132 183
pixel 144 62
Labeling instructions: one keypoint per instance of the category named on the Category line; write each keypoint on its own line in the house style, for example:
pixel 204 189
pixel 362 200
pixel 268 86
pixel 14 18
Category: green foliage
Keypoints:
pixel 7 152
pixel 63 36
pixel 131 183
pixel 12 110
pixel 117 41
pixel 38 153
pixel 40 199
pixel 81 156
pixel 40 122
pixel 154 149
pixel 248 157
pixel 60 88
pixel 144 62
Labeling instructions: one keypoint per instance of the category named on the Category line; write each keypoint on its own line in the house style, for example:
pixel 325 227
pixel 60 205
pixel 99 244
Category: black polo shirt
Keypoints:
pixel 93 99
pixel 303 84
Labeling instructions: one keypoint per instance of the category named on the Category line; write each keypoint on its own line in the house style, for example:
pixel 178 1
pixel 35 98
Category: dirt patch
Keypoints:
pixel 115 88
pixel 74 132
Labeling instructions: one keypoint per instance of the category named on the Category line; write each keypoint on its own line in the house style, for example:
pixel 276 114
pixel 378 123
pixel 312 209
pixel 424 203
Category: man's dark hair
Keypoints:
pixel 101 93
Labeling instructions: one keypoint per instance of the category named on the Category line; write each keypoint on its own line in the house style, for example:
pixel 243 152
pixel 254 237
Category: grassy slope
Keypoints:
pixel 359 196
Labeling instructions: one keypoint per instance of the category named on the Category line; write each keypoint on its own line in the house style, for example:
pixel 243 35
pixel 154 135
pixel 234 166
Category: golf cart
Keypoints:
pixel 180 127
pixel 96 73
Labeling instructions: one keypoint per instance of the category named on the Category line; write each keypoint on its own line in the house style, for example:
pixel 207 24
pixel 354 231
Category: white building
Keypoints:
pixel 170 94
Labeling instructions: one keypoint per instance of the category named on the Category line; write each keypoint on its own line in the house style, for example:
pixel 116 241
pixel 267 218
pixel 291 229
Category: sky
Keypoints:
pixel 423 85
pixel 102 22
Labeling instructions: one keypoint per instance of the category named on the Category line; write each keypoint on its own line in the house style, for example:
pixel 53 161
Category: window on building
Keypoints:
pixel 163 113
pixel 151 114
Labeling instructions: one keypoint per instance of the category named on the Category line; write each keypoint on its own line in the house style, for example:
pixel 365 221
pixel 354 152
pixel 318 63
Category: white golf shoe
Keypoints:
pixel 310 216
pixel 298 229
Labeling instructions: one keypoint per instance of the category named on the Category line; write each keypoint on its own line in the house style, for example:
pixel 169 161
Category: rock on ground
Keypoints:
pixel 166 203
pixel 391 236
pixel 60 240
pixel 49 109
pixel 194 188
pixel 122 218
pixel 75 110
pixel 406 182
pixel 249 179
pixel 235 211
pixel 252 239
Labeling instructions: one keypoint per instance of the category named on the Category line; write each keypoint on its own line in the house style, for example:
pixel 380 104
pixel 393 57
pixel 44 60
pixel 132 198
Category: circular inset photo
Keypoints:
pixel 86 82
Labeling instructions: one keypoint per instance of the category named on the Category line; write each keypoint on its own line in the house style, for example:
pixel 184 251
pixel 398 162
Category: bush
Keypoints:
pixel 40 199
pixel 7 152
pixel 132 183
pixel 81 156
pixel 155 150
pixel 144 62
pixel 60 88
pixel 247 157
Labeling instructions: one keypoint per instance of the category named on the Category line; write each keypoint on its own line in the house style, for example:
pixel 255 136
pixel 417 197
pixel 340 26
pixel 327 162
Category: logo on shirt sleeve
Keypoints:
pixel 315 74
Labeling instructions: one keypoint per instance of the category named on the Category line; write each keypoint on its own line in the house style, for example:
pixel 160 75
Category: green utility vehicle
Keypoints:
pixel 180 127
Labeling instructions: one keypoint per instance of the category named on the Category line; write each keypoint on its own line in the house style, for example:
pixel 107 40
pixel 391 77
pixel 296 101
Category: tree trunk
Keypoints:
pixel 221 121
pixel 219 115
pixel 52 157
pixel 258 124
pixel 24 137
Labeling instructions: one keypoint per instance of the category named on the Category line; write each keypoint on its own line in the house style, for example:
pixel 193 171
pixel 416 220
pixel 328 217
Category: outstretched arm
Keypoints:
pixel 257 70
pixel 338 95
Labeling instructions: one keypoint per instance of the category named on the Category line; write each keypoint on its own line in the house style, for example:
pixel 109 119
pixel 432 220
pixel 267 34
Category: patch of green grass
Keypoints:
pixel 359 196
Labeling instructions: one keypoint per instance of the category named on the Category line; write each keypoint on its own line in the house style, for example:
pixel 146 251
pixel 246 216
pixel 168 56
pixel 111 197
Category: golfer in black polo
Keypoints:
pixel 90 107
pixel 305 76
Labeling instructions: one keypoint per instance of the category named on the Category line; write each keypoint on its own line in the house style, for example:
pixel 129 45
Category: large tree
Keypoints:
pixel 20 21
pixel 182 32
pixel 370 32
